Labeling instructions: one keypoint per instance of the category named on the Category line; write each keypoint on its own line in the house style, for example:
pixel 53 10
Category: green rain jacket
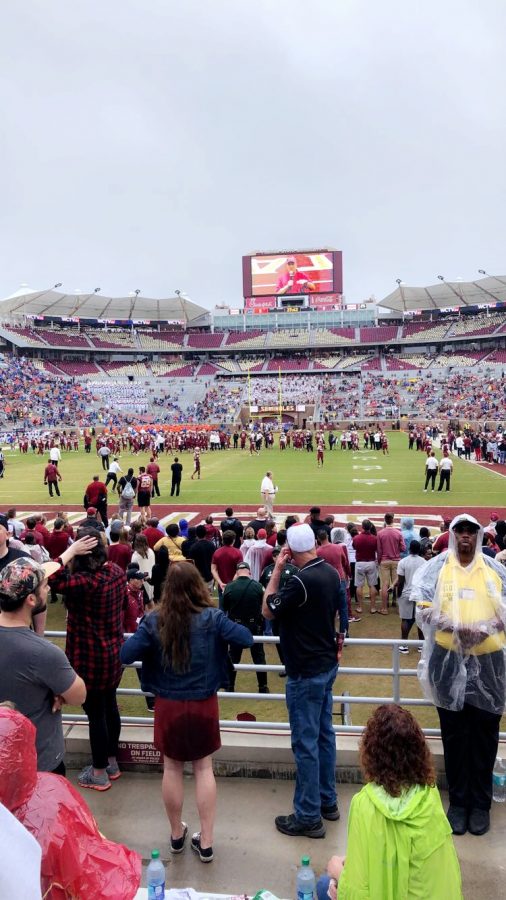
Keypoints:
pixel 399 848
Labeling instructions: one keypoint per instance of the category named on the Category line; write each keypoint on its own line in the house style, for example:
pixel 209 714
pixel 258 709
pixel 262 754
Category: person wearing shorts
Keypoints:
pixel 144 489
pixel 366 569
pixel 390 548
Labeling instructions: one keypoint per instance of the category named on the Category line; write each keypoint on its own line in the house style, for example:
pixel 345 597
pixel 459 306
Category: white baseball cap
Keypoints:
pixel 300 538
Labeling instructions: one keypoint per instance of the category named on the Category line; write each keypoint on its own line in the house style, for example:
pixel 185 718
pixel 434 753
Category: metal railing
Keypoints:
pixel 345 699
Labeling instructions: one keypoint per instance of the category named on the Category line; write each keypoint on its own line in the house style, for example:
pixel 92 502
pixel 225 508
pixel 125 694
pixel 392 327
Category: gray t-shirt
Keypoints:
pixel 407 567
pixel 32 673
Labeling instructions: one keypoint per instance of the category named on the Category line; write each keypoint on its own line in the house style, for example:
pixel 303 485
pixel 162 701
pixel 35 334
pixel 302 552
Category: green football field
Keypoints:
pixel 234 477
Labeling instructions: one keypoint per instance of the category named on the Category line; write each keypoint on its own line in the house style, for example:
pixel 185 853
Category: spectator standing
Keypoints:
pixel 224 563
pixel 441 542
pixel 54 455
pixel 144 557
pixel 183 651
pixel 305 609
pixel 332 553
pixel 406 570
pixel 242 601
pixel 409 532
pixel 153 532
pixel 31 528
pixel 260 521
pixel 94 593
pixel 120 548
pixel 35 674
pixel 15 525
pixel 231 523
pixel 177 473
pixel 366 568
pixel 58 540
pixel 95 495
pixel 259 554
pixel 460 601
pixel 389 549
pixel 173 542
pixel 202 552
pixel 51 478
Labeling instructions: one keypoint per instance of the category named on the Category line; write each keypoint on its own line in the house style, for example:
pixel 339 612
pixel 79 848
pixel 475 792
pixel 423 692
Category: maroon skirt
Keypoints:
pixel 187 729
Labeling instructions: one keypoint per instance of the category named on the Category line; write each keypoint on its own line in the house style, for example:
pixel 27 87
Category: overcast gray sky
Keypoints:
pixel 151 143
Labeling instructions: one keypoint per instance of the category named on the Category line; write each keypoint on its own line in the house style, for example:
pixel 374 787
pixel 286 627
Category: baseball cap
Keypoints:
pixel 23 576
pixel 116 526
pixel 261 534
pixel 300 538
pixel 465 517
pixel 91 511
pixel 135 572
pixel 4 522
pixel 243 565
pixel 494 517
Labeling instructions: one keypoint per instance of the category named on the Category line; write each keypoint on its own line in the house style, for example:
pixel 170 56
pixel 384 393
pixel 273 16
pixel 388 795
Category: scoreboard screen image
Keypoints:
pixel 292 273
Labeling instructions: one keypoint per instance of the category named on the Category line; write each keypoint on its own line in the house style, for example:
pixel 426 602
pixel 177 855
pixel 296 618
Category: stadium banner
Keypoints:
pixel 293 273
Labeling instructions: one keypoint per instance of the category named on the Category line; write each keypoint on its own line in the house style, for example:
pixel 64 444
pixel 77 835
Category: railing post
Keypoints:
pixel 396 676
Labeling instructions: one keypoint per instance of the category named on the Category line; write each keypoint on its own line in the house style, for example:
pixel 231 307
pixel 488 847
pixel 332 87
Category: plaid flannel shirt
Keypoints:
pixel 95 602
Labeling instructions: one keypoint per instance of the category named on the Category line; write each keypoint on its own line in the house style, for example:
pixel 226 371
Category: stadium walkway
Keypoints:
pixel 249 853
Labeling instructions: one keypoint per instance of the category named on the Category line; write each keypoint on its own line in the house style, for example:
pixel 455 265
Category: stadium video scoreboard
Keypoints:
pixel 292 280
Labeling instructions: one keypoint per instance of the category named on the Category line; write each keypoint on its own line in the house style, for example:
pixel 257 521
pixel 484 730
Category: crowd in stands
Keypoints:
pixel 31 397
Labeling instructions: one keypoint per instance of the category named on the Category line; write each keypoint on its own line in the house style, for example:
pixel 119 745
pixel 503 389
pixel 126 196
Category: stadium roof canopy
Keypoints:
pixel 447 294
pixel 26 302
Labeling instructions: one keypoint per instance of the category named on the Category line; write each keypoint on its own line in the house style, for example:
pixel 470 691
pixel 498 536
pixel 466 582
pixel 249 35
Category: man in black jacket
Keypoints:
pixel 232 524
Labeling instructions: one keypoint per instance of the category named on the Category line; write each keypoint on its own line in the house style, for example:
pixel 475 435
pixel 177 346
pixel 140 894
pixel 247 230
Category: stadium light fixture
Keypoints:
pixel 137 292
pixel 441 277
pixel 97 290
pixel 482 272
pixel 58 284
pixel 177 293
pixel 399 281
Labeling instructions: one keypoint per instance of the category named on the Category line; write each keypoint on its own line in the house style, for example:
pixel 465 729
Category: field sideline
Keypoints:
pixel 347 478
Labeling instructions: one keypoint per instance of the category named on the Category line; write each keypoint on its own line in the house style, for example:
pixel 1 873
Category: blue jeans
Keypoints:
pixel 309 702
pixel 322 887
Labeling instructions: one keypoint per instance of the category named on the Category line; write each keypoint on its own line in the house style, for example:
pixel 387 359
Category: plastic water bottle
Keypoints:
pixel 306 882
pixel 156 877
pixel 499 781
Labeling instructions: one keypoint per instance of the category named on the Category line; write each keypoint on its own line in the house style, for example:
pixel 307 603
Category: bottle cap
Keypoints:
pixel 305 861
pixel 155 854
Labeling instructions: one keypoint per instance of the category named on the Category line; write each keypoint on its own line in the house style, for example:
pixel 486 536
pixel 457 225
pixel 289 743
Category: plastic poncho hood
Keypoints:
pixel 461 610
pixel 399 847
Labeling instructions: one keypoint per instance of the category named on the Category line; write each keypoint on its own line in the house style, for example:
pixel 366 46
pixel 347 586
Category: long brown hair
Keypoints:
pixel 394 752
pixel 184 594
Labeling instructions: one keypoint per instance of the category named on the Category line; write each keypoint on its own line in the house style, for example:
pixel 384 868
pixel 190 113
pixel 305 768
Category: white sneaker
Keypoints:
pixel 403 649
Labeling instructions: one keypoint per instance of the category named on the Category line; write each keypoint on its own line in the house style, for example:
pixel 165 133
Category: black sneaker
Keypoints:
pixel 177 845
pixel 331 813
pixel 290 825
pixel 264 689
pixel 205 854
pixel 457 817
pixel 479 821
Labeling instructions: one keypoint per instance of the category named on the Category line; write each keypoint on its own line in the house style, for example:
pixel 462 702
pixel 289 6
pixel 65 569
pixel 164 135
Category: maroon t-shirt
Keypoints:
pixel 332 554
pixel 121 554
pixel 226 560
pixel 153 470
pixel 58 542
pixel 94 491
pixel 152 535
pixel 365 547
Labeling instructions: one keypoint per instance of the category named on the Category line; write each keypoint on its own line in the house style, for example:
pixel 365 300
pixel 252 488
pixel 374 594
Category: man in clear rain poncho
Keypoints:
pixel 460 599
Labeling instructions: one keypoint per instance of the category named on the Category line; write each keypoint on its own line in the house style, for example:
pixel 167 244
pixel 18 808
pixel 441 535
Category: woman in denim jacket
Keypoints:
pixel 183 646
